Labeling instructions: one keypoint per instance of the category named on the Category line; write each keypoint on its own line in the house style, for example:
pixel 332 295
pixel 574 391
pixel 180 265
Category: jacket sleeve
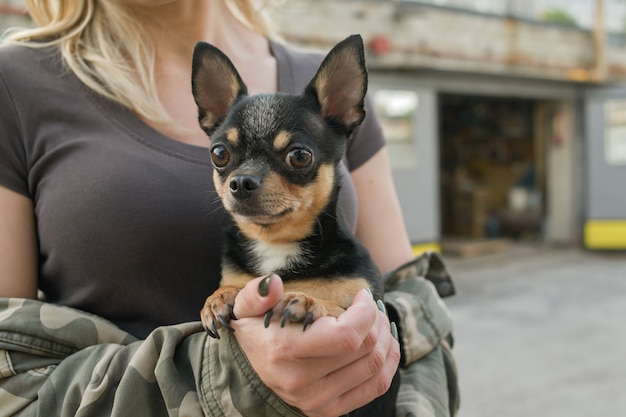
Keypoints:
pixel 58 361
pixel 413 297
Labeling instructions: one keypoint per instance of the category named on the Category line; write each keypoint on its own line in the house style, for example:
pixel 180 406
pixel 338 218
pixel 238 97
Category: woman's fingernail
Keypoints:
pixel 394 331
pixel 369 291
pixel 264 285
pixel 381 306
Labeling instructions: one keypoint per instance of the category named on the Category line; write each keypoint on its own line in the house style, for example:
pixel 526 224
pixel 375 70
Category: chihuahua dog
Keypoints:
pixel 276 160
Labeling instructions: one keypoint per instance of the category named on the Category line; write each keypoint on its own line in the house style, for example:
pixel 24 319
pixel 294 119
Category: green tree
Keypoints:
pixel 559 16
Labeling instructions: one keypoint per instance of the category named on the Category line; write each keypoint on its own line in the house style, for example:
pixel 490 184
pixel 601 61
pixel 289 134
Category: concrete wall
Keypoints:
pixel 417 36
pixel 418 185
pixel 561 227
pixel 12 13
pixel 606 197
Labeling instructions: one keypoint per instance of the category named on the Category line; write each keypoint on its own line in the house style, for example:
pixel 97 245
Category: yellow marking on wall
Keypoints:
pixel 605 234
pixel 420 248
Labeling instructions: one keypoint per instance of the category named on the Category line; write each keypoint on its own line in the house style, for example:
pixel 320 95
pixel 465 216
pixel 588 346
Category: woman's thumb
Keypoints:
pixel 258 296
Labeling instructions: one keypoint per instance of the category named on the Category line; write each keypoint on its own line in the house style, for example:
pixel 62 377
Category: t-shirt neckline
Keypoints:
pixel 140 131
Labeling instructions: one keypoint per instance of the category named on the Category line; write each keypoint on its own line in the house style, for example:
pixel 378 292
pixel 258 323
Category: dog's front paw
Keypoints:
pixel 297 307
pixel 218 310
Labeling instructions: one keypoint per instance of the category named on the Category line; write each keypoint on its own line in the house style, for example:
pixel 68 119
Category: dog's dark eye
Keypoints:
pixel 220 156
pixel 299 158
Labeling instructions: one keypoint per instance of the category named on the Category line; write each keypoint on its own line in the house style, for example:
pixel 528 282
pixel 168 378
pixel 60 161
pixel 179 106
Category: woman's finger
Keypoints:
pixel 374 387
pixel 258 296
pixel 356 373
pixel 350 333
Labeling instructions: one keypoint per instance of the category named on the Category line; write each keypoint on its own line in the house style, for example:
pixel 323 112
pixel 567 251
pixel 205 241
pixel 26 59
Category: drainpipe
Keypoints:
pixel 599 44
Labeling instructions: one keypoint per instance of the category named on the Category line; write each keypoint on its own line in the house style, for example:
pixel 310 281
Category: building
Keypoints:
pixel 12 13
pixel 499 123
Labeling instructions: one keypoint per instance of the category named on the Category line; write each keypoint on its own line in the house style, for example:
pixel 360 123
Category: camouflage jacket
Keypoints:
pixel 56 361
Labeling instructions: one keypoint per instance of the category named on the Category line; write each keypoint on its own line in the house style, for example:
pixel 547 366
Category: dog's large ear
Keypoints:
pixel 340 84
pixel 215 84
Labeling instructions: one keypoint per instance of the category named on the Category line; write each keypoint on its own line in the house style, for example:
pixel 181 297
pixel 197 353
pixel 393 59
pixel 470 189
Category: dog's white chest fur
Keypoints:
pixel 276 256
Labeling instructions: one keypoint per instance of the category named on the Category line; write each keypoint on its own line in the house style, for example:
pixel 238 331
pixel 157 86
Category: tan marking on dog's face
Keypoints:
pixel 338 291
pixel 282 140
pixel 304 203
pixel 232 136
pixel 219 186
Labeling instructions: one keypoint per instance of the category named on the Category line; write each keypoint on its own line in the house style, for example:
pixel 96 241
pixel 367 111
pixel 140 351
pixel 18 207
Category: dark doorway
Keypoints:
pixel 491 167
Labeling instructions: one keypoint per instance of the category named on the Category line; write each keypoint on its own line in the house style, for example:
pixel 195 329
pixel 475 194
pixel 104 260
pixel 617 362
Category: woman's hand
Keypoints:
pixel 332 368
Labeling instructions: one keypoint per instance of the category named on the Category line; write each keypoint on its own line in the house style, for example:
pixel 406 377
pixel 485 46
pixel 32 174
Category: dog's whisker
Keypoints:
pixel 320 228
pixel 216 210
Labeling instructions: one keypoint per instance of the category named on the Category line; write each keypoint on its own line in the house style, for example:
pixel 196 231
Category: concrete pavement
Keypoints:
pixel 541 332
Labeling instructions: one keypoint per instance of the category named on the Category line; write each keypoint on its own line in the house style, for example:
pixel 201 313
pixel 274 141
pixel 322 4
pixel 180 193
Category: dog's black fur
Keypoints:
pixel 276 159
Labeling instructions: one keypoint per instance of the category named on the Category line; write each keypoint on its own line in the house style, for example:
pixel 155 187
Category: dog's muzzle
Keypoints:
pixel 245 185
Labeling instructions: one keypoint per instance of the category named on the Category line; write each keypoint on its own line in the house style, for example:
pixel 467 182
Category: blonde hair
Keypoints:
pixel 101 43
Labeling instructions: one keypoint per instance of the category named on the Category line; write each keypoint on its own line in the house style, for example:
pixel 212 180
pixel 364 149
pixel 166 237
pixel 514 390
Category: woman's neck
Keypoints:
pixel 176 27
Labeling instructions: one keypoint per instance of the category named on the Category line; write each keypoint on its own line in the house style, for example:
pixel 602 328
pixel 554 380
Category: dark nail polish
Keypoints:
pixel 264 286
pixel 381 306
pixel 394 331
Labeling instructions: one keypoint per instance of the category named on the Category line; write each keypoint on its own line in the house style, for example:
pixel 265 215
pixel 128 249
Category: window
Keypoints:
pixel 397 113
pixel 615 132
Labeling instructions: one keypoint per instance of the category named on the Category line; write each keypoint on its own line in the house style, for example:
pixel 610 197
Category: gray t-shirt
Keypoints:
pixel 128 222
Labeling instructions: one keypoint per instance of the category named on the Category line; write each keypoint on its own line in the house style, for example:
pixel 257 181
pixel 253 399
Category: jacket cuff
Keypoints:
pixel 429 387
pixel 225 366
pixel 414 303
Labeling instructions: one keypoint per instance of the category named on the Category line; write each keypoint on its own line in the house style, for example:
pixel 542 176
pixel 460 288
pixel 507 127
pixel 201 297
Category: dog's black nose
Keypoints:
pixel 243 186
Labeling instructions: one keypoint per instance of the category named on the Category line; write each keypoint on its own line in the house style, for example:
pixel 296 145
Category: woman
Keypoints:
pixel 106 202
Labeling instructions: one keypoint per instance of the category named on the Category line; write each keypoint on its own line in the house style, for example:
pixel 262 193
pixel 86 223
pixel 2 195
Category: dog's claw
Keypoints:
pixel 225 323
pixel 300 308
pixel 284 317
pixel 212 332
pixel 231 311
pixel 289 312
pixel 308 319
pixel 268 317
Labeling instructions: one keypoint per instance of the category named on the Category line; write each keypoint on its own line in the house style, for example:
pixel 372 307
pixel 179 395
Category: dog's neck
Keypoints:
pixel 272 257
pixel 327 229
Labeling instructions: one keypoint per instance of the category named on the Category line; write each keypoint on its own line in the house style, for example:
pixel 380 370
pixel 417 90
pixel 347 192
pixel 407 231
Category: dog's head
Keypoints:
pixel 276 155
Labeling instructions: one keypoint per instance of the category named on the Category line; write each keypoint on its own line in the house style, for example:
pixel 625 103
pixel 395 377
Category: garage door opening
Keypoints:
pixel 492 161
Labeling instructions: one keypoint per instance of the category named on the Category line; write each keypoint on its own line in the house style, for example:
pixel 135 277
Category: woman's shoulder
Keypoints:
pixel 296 66
pixel 29 63
pixel 12 53
pixel 31 74
pixel 303 57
